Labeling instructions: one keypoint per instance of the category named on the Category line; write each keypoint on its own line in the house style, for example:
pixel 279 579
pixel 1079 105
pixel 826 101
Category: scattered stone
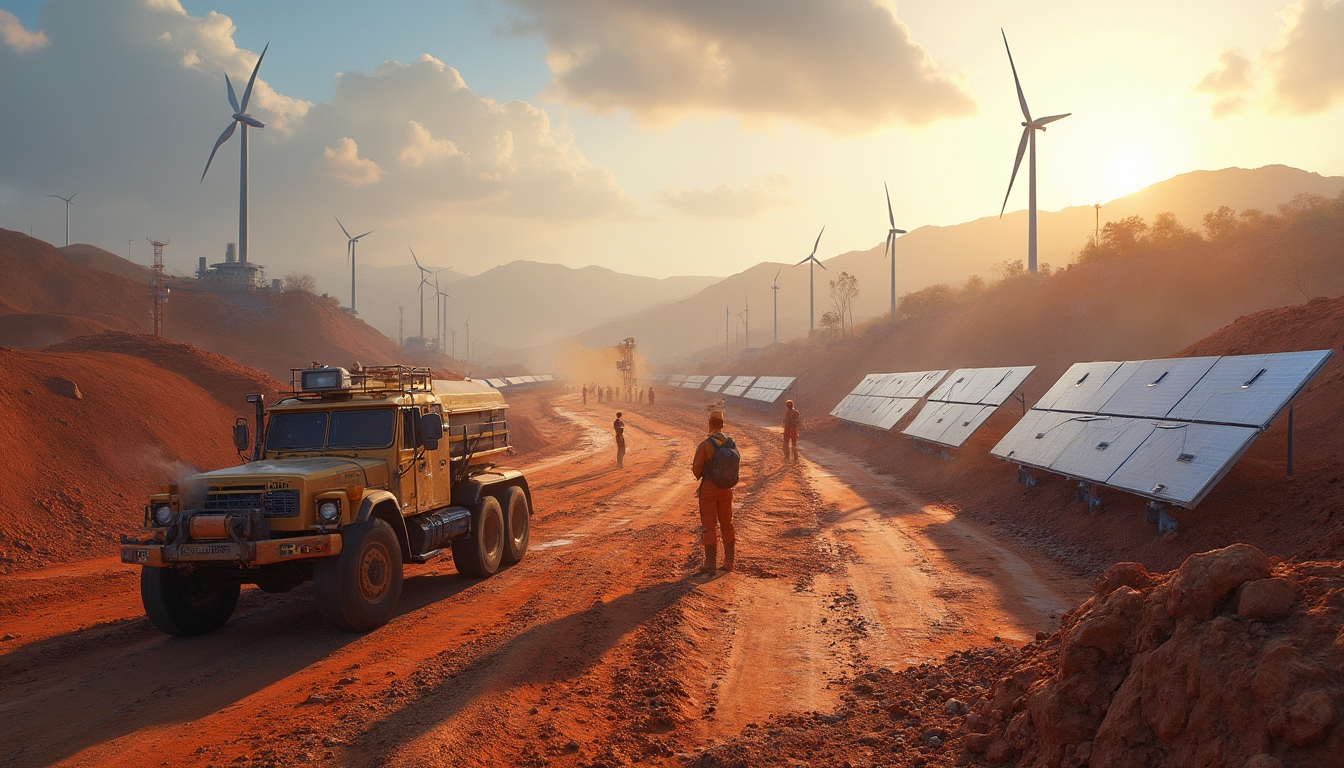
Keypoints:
pixel 1205 580
pixel 317 698
pixel 64 387
pixel 572 746
pixel 1132 575
pixel 1266 600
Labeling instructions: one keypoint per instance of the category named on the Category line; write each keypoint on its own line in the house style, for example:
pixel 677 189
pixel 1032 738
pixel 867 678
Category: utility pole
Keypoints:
pixel 727 334
pixel 401 327
pixel 160 293
pixel 453 333
pixel 1096 231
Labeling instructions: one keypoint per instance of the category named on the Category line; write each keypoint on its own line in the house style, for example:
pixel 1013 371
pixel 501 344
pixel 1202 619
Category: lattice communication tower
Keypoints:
pixel 158 288
pixel 626 365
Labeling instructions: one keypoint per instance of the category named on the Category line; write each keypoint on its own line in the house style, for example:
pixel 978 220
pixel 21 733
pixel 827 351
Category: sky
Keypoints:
pixel 654 137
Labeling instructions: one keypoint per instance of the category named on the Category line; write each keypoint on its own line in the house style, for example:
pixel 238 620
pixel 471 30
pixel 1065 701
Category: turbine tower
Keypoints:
pixel 67 215
pixel 1029 129
pixel 774 287
pixel 745 314
pixel 350 257
pixel 891 248
pixel 423 283
pixel 440 312
pixel 811 282
pixel 240 117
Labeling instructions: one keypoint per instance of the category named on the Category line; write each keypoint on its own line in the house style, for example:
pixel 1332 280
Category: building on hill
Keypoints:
pixel 233 275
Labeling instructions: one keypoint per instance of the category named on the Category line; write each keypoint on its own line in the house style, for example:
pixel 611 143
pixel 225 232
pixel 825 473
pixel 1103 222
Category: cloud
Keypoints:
pixel 1306 62
pixel 424 148
pixel 847 66
pixel 1228 84
pixel 344 163
pixel 16 37
pixel 726 201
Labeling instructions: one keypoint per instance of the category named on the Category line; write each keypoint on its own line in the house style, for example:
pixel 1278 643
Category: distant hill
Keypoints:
pixel 926 256
pixel 515 305
pixel 92 256
pixel 47 297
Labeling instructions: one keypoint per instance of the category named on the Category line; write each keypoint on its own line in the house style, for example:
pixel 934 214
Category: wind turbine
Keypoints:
pixel 350 257
pixel 1029 129
pixel 240 116
pixel 467 326
pixel 67 215
pixel 423 283
pixel 774 286
pixel 441 310
pixel 811 282
pixel 891 248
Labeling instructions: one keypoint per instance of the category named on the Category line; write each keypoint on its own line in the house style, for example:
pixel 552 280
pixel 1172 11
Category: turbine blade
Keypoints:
pixel 1020 98
pixel 250 120
pixel 1050 119
pixel 342 226
pixel 223 137
pixel 899 231
pixel 804 261
pixel 1021 150
pixel 890 215
pixel 366 234
pixel 247 94
pixel 819 264
pixel 233 100
pixel 417 261
pixel 72 199
pixel 814 245
pixel 891 236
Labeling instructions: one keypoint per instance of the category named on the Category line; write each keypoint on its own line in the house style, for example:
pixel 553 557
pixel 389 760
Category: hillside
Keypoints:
pixel 1158 305
pixel 930 255
pixel 47 296
pixel 88 434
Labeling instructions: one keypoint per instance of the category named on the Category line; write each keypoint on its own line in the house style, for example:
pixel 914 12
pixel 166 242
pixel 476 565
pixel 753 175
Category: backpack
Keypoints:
pixel 723 465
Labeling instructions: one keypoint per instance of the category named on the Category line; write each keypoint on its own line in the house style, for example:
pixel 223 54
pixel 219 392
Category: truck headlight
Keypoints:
pixel 328 511
pixel 163 515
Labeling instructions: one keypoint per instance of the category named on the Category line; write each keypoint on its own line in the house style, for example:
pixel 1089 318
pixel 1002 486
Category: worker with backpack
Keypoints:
pixel 716 466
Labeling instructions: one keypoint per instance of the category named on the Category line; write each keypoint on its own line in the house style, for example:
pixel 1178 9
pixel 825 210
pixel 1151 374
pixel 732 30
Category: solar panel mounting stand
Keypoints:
pixel 1157 513
pixel 1290 440
pixel 1025 476
pixel 1087 492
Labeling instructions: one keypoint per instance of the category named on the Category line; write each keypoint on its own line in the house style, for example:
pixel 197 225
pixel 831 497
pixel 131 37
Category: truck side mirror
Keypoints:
pixel 241 439
pixel 431 430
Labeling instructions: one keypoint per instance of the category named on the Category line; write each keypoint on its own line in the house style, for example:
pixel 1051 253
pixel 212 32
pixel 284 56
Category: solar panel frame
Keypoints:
pixel 739 386
pixel 694 382
pixel 1250 390
pixel 1212 451
pixel 717 383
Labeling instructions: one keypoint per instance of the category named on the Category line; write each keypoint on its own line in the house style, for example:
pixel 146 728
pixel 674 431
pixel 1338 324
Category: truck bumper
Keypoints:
pixel 244 553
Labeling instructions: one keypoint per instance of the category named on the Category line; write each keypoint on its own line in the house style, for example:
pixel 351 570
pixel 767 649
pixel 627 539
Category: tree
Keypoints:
pixel 1168 232
pixel 298 282
pixel 1220 225
pixel 1009 268
pixel 830 323
pixel 927 302
pixel 843 290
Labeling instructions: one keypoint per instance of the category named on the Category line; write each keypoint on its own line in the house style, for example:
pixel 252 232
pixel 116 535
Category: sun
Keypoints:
pixel 1129 170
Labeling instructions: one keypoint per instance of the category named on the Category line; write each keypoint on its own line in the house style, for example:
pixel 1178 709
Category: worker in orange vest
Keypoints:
pixel 716 466
pixel 791 420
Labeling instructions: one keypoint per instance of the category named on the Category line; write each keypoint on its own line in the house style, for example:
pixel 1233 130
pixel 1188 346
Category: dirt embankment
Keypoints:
pixel 85 436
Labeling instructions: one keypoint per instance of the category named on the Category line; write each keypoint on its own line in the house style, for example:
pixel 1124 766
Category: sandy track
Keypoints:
pixel 602 647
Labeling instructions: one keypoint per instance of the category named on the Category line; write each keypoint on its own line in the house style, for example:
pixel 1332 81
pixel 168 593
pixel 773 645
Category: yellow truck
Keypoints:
pixel 352 475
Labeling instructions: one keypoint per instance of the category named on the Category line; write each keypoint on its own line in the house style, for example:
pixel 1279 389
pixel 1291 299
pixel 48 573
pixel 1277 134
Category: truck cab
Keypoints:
pixel 351 476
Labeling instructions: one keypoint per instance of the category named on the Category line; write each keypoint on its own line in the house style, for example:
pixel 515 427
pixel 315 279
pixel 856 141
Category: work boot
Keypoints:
pixel 728 555
pixel 711 556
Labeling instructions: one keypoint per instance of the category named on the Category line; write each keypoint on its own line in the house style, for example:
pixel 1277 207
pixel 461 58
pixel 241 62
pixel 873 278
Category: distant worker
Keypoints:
pixel 716 466
pixel 650 395
pixel 599 395
pixel 791 420
pixel 619 426
pixel 641 397
pixel 585 394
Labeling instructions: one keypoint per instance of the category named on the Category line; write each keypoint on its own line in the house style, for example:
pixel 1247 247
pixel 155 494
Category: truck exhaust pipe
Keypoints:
pixel 260 402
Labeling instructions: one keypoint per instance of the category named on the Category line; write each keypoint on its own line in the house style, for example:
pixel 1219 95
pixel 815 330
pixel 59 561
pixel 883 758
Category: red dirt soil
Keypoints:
pixel 79 468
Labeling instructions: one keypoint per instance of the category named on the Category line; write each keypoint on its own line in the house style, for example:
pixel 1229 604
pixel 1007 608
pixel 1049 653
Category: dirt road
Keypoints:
pixel 601 648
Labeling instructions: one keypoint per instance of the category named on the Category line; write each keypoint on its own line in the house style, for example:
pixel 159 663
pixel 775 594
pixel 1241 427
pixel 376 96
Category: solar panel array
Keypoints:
pixel 694 382
pixel 1167 430
pixel 715 384
pixel 516 381
pixel 738 386
pixel 881 399
pixel 964 402
pixel 768 389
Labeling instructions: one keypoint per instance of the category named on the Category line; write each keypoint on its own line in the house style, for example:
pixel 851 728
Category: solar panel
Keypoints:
pixel 739 386
pixel 965 401
pixel 1167 430
pixel 882 399
pixel 768 389
pixel 515 380
pixel 715 384
pixel 676 379
pixel 694 382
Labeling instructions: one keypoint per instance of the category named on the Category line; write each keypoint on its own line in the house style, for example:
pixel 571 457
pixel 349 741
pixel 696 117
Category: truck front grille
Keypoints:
pixel 282 504
pixel 272 503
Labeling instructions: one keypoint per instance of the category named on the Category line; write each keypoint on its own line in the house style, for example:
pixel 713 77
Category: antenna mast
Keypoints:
pixel 160 292
pixel 626 365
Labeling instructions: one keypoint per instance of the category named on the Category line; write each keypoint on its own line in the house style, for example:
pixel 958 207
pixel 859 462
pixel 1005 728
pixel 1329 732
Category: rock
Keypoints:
pixel 64 387
pixel 1109 624
pixel 1266 600
pixel 998 752
pixel 978 742
pixel 1309 718
pixel 1205 580
pixel 572 746
pixel 954 707
pixel 1131 575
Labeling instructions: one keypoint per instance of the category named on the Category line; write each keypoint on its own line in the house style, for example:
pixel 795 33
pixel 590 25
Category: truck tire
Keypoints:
pixel 480 552
pixel 358 589
pixel 186 605
pixel 517 525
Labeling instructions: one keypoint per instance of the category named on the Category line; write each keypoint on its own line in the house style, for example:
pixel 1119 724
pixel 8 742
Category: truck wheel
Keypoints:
pixel 186 605
pixel 358 589
pixel 516 524
pixel 479 553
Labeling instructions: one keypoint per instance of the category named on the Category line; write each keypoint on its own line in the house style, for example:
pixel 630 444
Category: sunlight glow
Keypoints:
pixel 1129 170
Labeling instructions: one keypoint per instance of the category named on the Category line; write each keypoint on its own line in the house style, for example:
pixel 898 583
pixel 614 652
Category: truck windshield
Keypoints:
pixel 372 428
pixel 361 429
